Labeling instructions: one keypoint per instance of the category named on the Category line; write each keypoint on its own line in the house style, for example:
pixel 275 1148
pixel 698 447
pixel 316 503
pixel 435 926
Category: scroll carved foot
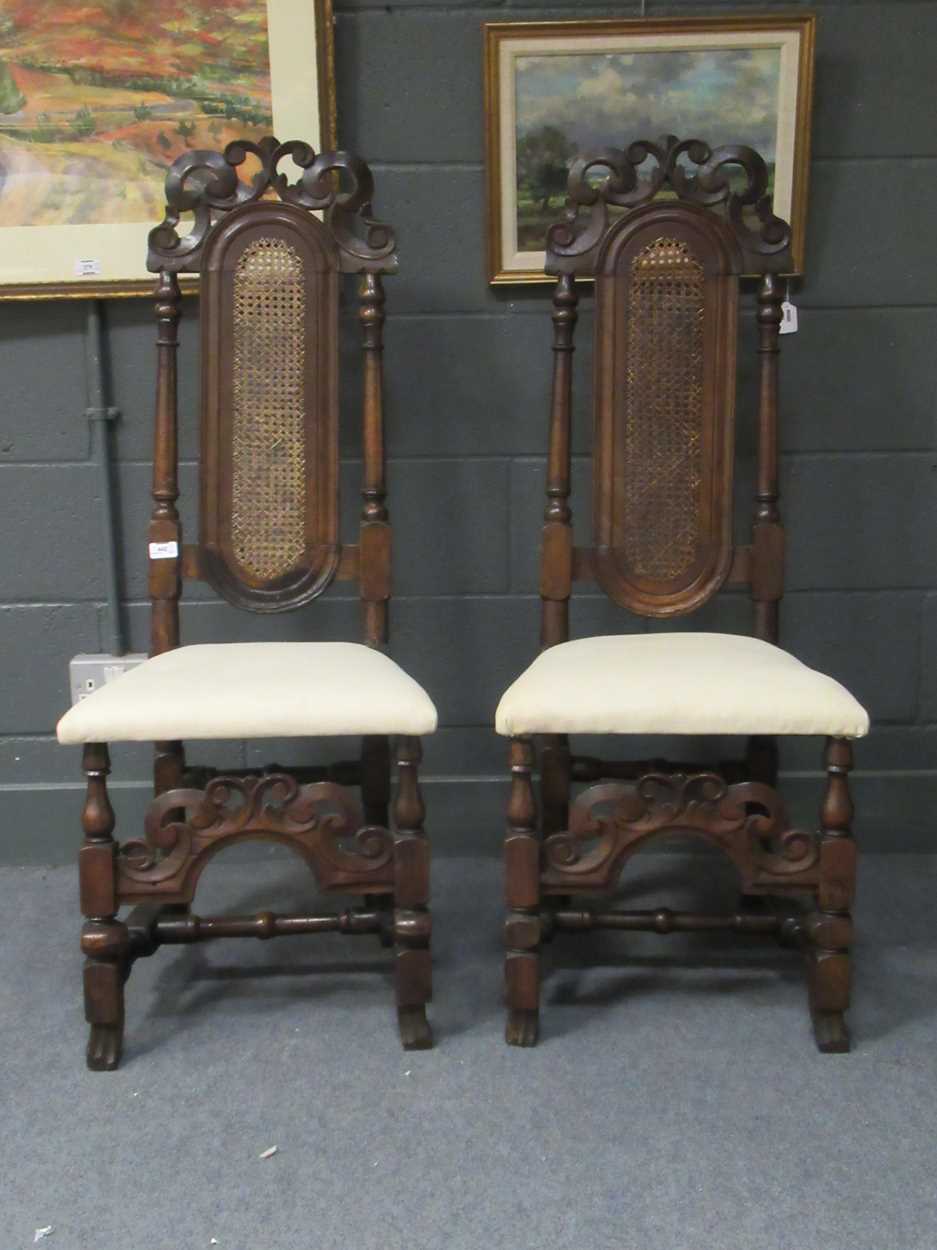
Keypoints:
pixel 523 1027
pixel 831 1032
pixel 415 1031
pixel 105 1044
pixel 106 943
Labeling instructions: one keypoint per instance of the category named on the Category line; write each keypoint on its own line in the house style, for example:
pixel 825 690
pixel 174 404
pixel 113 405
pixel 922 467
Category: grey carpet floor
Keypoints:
pixel 675 1103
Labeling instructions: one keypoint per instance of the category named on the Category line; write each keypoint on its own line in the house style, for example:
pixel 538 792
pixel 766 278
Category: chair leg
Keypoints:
pixel 830 926
pixel 375 778
pixel 555 783
pixel 412 924
pixel 168 766
pixel 375 793
pixel 761 758
pixel 104 939
pixel 105 972
pixel 522 930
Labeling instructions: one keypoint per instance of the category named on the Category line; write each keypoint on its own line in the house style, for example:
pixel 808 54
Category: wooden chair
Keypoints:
pixel 268 542
pixel 667 265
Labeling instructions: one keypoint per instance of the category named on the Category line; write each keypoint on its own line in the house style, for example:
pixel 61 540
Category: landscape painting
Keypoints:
pixel 99 97
pixel 562 95
pixel 567 105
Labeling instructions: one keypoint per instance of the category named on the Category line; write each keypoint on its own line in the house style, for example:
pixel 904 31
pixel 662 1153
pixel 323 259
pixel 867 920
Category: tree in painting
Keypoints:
pixel 98 97
pixel 11 98
pixel 543 157
pixel 576 102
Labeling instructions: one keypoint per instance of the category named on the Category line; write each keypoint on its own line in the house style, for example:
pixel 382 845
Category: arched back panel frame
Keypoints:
pixel 667 252
pixel 269 252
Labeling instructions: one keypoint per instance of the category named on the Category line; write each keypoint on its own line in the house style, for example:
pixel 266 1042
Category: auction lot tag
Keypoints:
pixel 164 551
pixel 788 318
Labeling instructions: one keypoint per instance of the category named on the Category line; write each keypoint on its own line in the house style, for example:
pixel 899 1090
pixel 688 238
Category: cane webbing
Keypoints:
pixel 661 452
pixel 268 422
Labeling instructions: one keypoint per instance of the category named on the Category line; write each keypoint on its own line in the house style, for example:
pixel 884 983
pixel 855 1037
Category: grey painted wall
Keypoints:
pixel 467 401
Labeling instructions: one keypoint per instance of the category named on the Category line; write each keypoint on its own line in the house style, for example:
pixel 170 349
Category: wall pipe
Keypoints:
pixel 99 417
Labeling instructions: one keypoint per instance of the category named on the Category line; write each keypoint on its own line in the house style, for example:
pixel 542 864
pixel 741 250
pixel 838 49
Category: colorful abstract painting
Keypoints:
pixel 97 100
pixel 99 97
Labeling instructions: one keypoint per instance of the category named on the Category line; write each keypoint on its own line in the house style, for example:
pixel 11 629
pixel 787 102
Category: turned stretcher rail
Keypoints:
pixel 263 925
pixel 663 920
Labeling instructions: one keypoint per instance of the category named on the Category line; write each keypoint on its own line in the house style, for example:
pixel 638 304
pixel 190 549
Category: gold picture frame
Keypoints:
pixel 513 225
pixel 119 120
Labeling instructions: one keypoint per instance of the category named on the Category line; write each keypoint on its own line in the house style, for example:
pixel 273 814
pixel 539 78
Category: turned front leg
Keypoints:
pixel 830 927
pixel 522 930
pixel 104 939
pixel 413 967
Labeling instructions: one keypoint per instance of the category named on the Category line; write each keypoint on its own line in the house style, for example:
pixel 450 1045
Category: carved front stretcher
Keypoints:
pixel 746 821
pixel 321 822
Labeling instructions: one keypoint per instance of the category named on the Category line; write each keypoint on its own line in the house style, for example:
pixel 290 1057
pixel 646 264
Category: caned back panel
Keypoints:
pixel 269 498
pixel 666 327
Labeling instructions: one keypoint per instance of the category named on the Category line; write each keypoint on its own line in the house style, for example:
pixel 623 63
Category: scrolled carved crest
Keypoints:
pixel 747 821
pixel 184 828
pixel 572 241
pixel 207 184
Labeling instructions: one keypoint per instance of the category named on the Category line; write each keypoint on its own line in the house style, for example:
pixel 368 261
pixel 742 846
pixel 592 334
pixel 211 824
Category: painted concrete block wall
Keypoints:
pixel 467 391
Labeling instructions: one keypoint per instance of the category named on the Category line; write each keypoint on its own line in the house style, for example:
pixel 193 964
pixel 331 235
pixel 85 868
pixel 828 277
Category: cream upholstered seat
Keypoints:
pixel 254 690
pixel 676 683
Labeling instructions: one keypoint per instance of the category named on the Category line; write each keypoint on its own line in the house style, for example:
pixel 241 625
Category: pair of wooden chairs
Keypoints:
pixel 667 253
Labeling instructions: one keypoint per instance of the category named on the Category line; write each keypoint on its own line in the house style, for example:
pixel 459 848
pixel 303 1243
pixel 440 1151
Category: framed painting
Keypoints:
pixel 99 97
pixel 556 90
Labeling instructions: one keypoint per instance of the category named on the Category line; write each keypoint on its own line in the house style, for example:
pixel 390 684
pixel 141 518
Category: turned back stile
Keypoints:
pixel 666 275
pixel 269 254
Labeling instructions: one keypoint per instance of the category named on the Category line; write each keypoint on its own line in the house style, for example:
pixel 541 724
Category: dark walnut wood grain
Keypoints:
pixel 667 250
pixel 268 541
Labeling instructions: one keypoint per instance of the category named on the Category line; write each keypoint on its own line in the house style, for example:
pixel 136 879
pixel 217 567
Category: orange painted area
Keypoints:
pixel 55 93
pixel 90 143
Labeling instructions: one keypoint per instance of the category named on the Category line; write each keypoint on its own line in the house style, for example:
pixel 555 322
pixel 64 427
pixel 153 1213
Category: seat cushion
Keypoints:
pixel 254 690
pixel 676 683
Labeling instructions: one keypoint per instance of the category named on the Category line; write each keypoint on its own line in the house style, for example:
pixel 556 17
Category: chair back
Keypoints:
pixel 269 253
pixel 667 252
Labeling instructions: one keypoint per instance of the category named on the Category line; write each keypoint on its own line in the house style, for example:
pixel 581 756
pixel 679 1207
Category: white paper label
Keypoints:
pixel 788 318
pixel 164 551
pixel 87 268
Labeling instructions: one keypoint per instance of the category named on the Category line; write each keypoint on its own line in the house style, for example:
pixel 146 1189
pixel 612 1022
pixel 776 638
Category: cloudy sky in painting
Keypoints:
pixel 721 95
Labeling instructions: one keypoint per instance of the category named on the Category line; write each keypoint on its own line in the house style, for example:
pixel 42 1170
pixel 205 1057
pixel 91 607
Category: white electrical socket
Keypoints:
pixel 88 673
